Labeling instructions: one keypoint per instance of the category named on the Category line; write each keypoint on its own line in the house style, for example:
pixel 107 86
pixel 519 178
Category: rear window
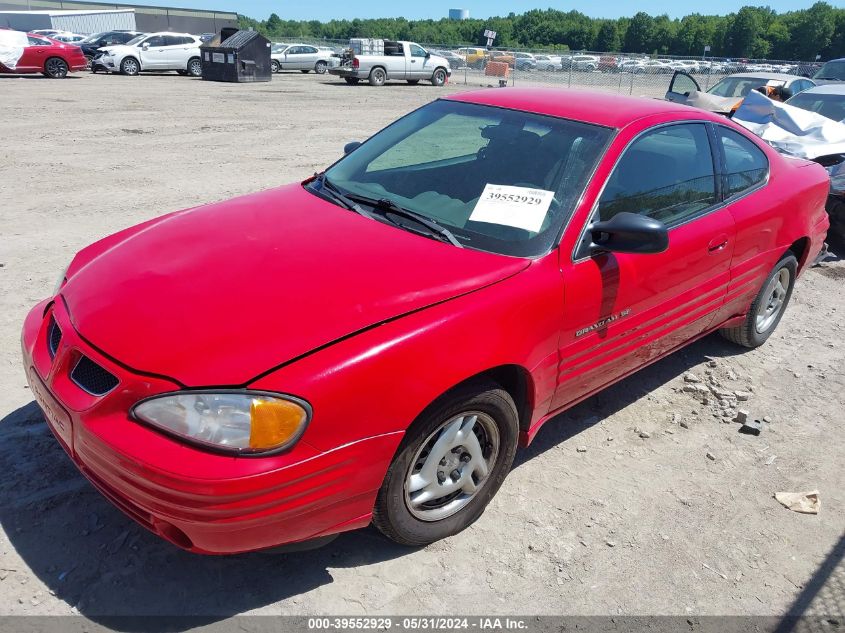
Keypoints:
pixel 828 105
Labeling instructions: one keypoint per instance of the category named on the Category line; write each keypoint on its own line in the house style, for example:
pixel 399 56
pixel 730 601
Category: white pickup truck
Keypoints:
pixel 406 61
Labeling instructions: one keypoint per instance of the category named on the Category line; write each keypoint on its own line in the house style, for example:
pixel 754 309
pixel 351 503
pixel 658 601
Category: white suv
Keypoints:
pixel 155 51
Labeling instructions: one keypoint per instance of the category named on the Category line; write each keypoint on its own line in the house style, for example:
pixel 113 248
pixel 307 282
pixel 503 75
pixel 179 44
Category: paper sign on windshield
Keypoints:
pixel 520 207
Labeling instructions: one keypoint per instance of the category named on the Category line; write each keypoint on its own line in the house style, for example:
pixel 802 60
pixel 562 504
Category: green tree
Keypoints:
pixel 608 38
pixel 640 34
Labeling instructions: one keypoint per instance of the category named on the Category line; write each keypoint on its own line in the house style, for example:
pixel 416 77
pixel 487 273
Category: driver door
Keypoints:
pixel 624 310
pixel 681 86
pixel 418 63
pixel 153 53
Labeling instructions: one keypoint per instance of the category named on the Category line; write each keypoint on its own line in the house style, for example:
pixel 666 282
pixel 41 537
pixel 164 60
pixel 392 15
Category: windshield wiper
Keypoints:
pixel 386 204
pixel 331 191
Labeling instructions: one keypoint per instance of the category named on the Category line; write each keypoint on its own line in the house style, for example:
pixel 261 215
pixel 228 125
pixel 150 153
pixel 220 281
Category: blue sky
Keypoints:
pixel 328 9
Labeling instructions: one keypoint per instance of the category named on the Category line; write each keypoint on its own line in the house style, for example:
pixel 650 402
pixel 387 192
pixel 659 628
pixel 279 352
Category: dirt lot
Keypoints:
pixel 642 522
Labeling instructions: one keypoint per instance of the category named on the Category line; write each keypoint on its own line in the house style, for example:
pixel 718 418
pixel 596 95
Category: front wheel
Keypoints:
pixel 451 462
pixel 55 68
pixel 130 66
pixel 439 77
pixel 274 66
pixel 321 68
pixel 768 306
pixel 195 67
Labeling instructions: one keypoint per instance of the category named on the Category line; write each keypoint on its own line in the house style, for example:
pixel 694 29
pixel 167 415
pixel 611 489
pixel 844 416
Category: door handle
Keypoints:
pixel 717 244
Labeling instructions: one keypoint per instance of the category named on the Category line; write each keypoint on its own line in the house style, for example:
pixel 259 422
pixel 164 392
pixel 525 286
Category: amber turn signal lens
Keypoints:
pixel 274 422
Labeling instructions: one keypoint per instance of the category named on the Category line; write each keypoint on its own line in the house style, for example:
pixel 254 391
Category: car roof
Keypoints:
pixel 600 108
pixel 827 89
pixel 776 76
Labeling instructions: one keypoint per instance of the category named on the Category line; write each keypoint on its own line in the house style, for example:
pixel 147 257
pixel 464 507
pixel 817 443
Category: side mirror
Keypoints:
pixel 351 147
pixel 427 54
pixel 145 46
pixel 629 233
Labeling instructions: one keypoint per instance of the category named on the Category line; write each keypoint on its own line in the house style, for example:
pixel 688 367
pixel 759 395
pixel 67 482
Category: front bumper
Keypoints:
pixel 202 502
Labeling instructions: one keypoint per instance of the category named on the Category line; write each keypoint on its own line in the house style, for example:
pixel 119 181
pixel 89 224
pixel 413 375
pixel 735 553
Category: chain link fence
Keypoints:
pixel 638 75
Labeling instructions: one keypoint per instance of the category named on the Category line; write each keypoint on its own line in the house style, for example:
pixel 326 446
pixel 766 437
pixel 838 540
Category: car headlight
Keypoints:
pixel 234 421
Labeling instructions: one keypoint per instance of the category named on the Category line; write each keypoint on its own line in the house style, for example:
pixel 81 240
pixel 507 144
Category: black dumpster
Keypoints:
pixel 237 56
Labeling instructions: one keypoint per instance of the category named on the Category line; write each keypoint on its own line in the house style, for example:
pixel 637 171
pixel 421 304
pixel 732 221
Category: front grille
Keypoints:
pixel 54 337
pixel 89 376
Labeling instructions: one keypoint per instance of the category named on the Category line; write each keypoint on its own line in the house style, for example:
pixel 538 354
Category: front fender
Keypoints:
pixel 380 380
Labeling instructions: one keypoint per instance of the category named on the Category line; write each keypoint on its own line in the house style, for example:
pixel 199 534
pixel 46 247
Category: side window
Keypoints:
pixel 294 50
pixel 156 40
pixel 37 41
pixel 417 51
pixel 746 165
pixel 309 49
pixel 666 174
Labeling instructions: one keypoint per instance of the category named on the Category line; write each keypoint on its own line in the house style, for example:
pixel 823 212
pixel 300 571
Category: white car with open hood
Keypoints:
pixel 155 51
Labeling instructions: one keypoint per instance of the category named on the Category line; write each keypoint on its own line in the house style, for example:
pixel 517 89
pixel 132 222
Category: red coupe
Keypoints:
pixel 24 54
pixel 372 344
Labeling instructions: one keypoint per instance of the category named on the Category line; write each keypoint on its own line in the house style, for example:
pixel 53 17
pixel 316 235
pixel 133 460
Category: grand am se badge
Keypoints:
pixel 603 323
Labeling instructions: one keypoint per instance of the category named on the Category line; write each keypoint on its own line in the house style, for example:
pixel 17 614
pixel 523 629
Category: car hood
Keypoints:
pixel 222 293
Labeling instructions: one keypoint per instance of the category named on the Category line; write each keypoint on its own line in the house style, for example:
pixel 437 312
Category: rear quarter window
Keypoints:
pixel 746 166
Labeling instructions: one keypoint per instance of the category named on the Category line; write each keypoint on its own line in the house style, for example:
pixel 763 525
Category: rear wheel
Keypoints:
pixel 377 77
pixel 451 462
pixel 55 68
pixel 439 77
pixel 768 306
pixel 321 67
pixel 130 66
pixel 195 67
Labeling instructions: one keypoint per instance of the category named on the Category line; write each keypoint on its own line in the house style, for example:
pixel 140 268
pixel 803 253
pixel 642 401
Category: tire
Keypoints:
pixel 485 418
pixel 321 68
pixel 55 68
pixel 377 76
pixel 130 66
pixel 88 60
pixel 439 77
pixel 413 82
pixel 275 67
pixel 194 67
pixel 836 213
pixel 768 306
pixel 352 81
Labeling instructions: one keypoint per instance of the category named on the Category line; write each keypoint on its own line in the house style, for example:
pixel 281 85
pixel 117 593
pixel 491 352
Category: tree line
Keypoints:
pixel 751 32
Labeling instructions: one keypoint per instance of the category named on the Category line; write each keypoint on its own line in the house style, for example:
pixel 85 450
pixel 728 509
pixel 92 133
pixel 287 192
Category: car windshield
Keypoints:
pixel 828 105
pixel 499 180
pixel 832 70
pixel 135 40
pixel 737 86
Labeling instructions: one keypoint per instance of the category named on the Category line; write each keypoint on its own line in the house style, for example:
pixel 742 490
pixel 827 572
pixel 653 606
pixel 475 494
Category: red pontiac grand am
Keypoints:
pixel 372 344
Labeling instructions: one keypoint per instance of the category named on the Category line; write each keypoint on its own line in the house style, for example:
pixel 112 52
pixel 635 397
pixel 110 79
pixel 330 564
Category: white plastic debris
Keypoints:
pixel 803 502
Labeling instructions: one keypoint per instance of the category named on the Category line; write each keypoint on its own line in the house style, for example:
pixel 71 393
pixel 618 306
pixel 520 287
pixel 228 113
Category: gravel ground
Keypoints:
pixel 638 501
